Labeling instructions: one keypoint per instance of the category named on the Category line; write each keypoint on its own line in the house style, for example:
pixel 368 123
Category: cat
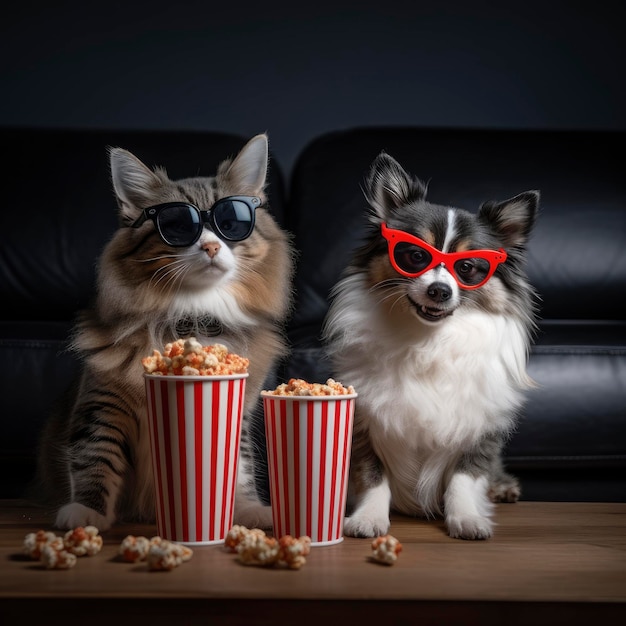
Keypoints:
pixel 94 459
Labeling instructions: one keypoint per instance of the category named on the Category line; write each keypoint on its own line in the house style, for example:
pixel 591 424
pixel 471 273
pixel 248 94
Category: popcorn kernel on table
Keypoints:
pixel 133 549
pixel 56 552
pixel 254 547
pixel 238 533
pixel 294 550
pixel 35 542
pixel 257 549
pixel 160 553
pixel 188 357
pixel 83 541
pixel 166 555
pixel 386 549
pixel 54 558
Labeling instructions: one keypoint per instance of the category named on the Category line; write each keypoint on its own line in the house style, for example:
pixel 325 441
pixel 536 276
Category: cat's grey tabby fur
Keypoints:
pixel 94 461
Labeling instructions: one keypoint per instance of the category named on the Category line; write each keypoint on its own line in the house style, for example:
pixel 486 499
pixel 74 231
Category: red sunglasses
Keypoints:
pixel 411 257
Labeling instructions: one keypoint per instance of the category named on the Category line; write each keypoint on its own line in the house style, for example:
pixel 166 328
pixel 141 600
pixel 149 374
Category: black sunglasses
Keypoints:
pixel 180 224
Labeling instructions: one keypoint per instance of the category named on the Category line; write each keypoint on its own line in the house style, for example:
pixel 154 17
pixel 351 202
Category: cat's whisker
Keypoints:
pixel 172 274
pixel 158 258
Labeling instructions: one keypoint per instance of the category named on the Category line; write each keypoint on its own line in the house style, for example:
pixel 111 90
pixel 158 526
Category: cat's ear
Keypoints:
pixel 512 219
pixel 389 187
pixel 133 182
pixel 247 173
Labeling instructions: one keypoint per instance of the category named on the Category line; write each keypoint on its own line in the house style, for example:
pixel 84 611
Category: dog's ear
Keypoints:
pixel 512 219
pixel 389 187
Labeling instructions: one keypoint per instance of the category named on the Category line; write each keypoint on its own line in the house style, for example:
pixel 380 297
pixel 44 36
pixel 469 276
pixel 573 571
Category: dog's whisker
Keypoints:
pixel 391 288
pixel 391 294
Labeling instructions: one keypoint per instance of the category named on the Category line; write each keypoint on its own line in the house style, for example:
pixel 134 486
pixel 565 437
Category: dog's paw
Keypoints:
pixel 253 515
pixel 505 491
pixel 470 527
pixel 360 526
pixel 75 514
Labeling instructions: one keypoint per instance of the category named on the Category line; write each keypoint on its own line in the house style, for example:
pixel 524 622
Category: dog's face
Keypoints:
pixel 427 260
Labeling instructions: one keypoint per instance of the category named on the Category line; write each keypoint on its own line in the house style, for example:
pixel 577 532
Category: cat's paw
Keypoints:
pixel 362 526
pixel 252 515
pixel 469 527
pixel 74 514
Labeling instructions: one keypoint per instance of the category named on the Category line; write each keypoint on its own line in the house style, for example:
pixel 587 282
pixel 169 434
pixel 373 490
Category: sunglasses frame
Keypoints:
pixel 447 259
pixel 205 217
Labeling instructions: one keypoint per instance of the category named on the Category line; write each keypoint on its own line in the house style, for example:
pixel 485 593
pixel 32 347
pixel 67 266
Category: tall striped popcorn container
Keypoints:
pixel 195 430
pixel 309 440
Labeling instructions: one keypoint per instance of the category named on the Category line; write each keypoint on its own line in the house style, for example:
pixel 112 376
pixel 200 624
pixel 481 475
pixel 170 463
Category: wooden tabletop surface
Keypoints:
pixel 545 561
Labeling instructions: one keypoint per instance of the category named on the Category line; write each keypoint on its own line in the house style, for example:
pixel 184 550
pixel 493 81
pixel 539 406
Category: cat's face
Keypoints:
pixel 194 277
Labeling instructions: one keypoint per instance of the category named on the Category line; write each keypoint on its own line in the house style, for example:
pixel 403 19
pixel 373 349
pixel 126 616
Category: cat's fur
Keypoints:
pixel 94 460
pixel 440 371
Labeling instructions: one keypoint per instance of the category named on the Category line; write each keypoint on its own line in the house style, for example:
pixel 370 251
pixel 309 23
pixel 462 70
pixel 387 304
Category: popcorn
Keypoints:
pixel 133 549
pixel 386 549
pixel 34 543
pixel 238 533
pixel 60 552
pixel 300 387
pixel 292 550
pixel 257 549
pixel 83 541
pixel 190 358
pixel 167 555
pixel 53 556
pixel 254 547
pixel 160 553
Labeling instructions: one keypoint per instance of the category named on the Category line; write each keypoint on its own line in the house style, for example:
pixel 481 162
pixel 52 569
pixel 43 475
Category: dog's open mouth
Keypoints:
pixel 429 313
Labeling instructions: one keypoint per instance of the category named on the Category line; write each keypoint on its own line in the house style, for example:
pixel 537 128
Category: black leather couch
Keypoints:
pixel 58 211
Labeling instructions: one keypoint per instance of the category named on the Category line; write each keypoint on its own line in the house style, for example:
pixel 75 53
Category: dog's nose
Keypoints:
pixel 439 292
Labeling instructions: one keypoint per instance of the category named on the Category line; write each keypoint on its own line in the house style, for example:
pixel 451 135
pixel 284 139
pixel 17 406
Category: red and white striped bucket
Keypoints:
pixel 309 440
pixel 195 430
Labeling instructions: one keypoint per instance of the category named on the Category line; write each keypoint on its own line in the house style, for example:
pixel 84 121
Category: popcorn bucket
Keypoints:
pixel 309 440
pixel 195 430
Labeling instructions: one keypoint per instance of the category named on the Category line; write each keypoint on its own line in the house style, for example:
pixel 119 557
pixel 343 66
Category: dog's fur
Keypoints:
pixel 440 379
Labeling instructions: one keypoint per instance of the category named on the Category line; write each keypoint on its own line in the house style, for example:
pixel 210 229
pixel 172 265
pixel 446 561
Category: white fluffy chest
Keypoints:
pixel 448 389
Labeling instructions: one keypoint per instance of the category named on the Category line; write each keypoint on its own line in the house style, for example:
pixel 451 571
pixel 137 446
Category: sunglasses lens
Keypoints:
pixel 411 258
pixel 233 219
pixel 472 271
pixel 179 224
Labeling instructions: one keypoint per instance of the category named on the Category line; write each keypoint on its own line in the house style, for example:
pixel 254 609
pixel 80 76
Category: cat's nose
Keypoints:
pixel 211 248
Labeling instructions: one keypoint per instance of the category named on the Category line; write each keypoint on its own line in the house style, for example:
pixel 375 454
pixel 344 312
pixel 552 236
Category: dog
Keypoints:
pixel 432 323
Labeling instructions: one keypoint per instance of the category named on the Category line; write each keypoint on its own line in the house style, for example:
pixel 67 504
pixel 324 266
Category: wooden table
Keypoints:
pixel 548 563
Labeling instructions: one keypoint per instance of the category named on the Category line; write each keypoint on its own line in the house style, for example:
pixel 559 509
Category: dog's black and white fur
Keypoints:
pixel 440 371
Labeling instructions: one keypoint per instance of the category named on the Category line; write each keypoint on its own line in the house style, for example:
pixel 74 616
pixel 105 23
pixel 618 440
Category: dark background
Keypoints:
pixel 298 69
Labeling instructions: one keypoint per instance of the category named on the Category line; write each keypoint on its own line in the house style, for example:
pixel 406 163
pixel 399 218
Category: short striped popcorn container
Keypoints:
pixel 309 440
pixel 195 430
